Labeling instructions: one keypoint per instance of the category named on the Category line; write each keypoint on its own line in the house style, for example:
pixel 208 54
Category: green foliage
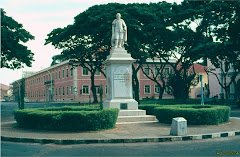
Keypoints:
pixel 13 53
pixel 170 101
pixel 149 108
pixel 194 114
pixel 67 118
pixel 238 103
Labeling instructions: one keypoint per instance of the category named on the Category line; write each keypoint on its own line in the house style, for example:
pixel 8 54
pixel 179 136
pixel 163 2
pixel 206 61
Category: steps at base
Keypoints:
pixel 136 118
pixel 132 113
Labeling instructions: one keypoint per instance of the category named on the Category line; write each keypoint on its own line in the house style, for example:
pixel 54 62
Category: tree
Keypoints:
pixel 57 59
pixel 175 39
pixel 220 22
pixel 158 74
pixel 87 41
pixel 13 53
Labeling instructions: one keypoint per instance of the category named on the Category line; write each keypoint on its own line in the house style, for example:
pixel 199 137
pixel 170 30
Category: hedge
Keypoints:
pixel 149 108
pixel 194 114
pixel 67 118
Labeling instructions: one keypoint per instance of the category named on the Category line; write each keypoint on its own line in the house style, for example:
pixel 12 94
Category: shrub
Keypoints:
pixel 194 114
pixel 149 108
pixel 68 118
pixel 238 103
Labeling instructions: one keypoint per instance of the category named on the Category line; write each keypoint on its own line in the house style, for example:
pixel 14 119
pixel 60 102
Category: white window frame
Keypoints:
pixel 97 73
pixel 149 89
pixel 83 71
pixel 156 86
pixel 67 90
pixel 63 73
pixel 83 86
pixel 59 74
pixel 165 71
pixel 71 72
pixel 67 73
pixel 97 87
pixel 147 73
pixel 71 89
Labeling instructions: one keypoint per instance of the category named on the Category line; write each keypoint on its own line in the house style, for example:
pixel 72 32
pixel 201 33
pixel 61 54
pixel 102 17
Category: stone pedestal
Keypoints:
pixel 119 80
pixel 179 126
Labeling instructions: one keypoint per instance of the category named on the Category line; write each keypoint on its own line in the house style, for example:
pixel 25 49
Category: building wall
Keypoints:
pixel 195 91
pixel 4 91
pixel 74 85
pixel 215 88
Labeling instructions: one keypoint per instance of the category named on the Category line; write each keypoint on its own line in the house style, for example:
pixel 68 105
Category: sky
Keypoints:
pixel 40 17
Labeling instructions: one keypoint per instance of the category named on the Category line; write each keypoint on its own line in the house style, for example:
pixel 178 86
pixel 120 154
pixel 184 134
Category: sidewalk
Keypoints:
pixel 123 133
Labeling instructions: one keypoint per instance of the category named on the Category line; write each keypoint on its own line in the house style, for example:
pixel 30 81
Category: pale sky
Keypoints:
pixel 40 17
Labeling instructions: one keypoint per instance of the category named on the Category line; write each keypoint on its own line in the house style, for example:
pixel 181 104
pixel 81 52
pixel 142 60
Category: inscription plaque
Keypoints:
pixel 123 106
pixel 122 82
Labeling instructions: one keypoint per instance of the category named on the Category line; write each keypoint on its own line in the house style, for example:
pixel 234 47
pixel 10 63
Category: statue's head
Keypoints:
pixel 118 15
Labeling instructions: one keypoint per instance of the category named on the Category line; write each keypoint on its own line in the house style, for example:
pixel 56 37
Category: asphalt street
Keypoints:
pixel 209 147
pixel 229 146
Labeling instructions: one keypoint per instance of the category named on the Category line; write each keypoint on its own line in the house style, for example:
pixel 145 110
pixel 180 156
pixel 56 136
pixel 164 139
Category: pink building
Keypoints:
pixel 74 85
pixel 216 89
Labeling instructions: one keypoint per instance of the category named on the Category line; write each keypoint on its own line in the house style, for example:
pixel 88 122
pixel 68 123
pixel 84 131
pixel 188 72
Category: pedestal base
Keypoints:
pixel 122 104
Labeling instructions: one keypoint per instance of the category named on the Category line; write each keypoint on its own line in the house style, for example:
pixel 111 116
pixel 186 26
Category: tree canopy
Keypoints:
pixel 13 53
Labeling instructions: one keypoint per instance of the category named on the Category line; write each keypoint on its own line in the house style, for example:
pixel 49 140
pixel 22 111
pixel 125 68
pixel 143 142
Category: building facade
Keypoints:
pixel 216 90
pixel 4 92
pixel 63 83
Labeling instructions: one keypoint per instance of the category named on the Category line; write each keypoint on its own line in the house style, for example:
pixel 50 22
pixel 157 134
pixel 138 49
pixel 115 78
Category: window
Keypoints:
pixel 63 91
pixel 55 75
pixel 147 89
pixel 156 71
pixel 97 89
pixel 59 91
pixel 56 91
pixel 97 73
pixel 166 71
pixel 49 77
pixel 71 89
pixel 52 91
pixel 44 93
pixel 67 90
pixel 71 71
pixel 85 89
pixel 147 71
pixel 167 90
pixel 156 89
pixel 85 71
pixel 66 73
pixel 52 76
pixel 59 75
pixel 63 73
pixel 106 89
pixel 44 78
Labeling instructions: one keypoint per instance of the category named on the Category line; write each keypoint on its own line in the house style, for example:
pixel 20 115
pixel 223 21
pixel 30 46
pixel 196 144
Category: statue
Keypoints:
pixel 119 32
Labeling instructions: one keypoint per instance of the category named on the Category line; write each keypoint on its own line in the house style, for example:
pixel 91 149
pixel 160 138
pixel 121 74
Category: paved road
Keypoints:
pixel 208 147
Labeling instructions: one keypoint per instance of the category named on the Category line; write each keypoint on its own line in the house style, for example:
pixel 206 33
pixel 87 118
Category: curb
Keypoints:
pixel 137 140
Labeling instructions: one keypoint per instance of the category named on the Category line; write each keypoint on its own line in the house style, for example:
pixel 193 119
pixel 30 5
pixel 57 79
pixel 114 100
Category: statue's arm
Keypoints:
pixel 113 25
pixel 124 25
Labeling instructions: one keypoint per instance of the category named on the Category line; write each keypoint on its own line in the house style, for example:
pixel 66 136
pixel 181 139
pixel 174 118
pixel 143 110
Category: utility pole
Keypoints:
pixel 202 100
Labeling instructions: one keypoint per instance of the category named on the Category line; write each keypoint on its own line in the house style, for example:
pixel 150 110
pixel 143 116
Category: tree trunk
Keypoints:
pixel 160 92
pixel 93 89
pixel 135 83
pixel 236 90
